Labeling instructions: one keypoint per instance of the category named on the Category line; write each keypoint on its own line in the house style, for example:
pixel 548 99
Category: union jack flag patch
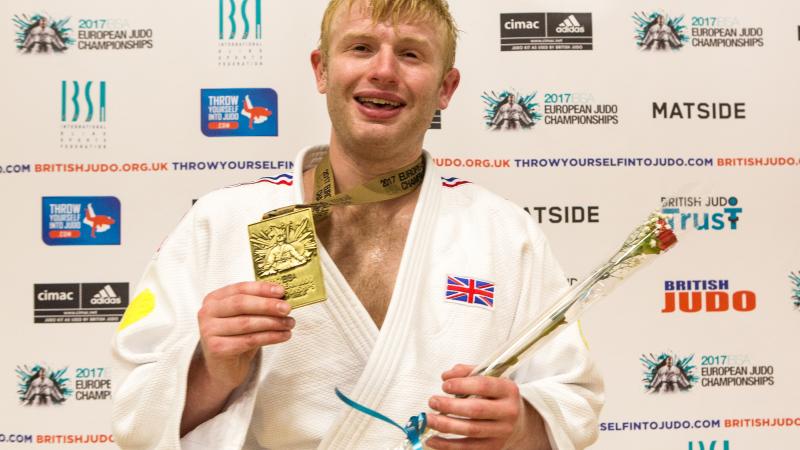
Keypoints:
pixel 470 291
pixel 282 179
pixel 453 182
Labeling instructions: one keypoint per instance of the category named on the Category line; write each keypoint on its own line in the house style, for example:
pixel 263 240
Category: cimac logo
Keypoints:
pixel 42 34
pixel 668 373
pixel 658 31
pixel 81 220
pixel 692 296
pixel 41 385
pixel 510 111
pixel 239 112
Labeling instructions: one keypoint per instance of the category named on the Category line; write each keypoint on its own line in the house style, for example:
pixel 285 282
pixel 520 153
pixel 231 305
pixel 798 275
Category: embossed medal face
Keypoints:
pixel 284 251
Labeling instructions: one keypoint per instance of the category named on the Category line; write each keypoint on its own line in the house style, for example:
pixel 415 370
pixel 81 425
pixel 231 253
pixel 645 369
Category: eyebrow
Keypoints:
pixel 408 40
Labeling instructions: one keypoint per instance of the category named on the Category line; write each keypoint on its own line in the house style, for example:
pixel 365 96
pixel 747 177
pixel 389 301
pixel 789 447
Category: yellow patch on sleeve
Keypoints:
pixel 583 336
pixel 142 305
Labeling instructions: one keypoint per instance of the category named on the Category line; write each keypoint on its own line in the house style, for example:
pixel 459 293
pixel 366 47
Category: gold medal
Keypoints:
pixel 284 245
pixel 284 250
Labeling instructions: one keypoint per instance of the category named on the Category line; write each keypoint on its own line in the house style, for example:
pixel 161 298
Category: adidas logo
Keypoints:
pixel 106 296
pixel 570 25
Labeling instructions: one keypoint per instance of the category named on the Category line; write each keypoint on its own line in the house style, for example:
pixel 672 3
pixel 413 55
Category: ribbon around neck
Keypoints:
pixel 413 430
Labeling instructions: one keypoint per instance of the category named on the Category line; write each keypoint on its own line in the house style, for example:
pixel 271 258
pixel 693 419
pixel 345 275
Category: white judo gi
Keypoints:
pixel 458 230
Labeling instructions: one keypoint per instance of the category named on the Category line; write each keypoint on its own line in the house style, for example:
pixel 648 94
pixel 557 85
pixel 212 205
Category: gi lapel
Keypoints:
pixel 387 353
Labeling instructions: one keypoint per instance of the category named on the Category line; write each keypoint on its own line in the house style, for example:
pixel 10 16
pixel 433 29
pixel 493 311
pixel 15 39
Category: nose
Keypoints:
pixel 384 68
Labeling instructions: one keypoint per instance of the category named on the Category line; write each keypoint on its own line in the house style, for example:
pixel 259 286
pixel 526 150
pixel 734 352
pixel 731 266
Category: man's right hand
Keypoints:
pixel 235 321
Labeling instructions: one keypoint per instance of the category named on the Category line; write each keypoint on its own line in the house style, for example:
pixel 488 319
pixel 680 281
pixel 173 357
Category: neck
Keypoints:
pixel 355 166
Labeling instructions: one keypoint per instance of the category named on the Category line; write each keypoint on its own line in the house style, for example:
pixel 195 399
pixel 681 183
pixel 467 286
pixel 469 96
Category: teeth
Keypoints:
pixel 378 101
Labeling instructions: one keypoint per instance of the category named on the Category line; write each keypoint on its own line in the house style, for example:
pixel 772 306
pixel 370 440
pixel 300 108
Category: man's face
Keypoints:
pixel 382 82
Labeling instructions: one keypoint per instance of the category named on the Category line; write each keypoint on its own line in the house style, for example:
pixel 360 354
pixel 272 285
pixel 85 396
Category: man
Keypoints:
pixel 42 390
pixel 210 360
pixel 510 115
pixel 42 39
pixel 662 35
pixel 669 377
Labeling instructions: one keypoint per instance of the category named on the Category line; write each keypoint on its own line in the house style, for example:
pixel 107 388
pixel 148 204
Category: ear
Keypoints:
pixel 320 71
pixel 448 88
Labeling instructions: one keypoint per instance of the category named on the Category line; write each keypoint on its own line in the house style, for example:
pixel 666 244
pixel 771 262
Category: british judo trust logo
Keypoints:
pixel 81 220
pixel 239 112
pixel 40 33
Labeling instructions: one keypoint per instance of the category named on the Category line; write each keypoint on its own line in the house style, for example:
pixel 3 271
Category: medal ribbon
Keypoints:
pixel 388 186
pixel 414 428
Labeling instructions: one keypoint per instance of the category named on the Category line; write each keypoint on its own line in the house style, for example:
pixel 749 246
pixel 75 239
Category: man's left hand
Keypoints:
pixel 491 419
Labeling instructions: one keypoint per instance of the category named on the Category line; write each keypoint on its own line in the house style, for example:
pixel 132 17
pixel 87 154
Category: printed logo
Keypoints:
pixel 668 373
pixel 83 115
pixel 436 123
pixel 564 214
pixel 453 182
pixel 795 279
pixel 660 31
pixel 79 302
pixel 574 108
pixel 39 385
pixel 470 291
pixel 696 213
pixel 239 112
pixel 81 220
pixel 545 31
pixel 42 34
pixel 693 296
pixel 721 370
pixel 239 34
pixel 510 111
pixel 711 445
pixel 699 110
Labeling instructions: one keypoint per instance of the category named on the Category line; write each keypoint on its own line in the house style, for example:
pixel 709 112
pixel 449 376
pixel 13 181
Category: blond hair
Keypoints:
pixel 435 11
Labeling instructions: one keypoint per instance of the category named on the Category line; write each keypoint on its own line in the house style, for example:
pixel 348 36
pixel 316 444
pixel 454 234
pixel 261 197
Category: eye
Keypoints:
pixel 410 54
pixel 359 48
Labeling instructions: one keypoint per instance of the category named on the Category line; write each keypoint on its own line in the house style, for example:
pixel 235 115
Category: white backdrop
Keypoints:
pixel 153 58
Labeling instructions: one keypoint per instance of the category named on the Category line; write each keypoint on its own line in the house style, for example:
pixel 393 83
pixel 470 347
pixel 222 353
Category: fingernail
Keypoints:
pixel 277 290
pixel 446 386
pixel 290 321
pixel 434 403
pixel 284 308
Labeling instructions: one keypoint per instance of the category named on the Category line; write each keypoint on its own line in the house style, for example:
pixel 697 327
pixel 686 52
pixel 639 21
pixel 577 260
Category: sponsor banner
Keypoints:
pixel 79 302
pixel 81 220
pixel 239 30
pixel 564 214
pixel 710 213
pixel 239 112
pixel 83 115
pixel 41 385
pixel 41 33
pixel 697 424
pixel 693 296
pixel 545 31
pixel 662 31
pixel 670 372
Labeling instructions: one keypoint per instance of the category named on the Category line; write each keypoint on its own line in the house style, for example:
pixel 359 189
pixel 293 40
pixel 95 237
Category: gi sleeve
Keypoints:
pixel 560 380
pixel 154 344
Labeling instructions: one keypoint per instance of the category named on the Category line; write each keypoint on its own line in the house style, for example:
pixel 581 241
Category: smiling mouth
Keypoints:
pixel 378 103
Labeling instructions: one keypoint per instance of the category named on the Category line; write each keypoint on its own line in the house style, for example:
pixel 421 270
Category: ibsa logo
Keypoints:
pixel 246 26
pixel 795 279
pixel 709 445
pixel 40 385
pixel 659 31
pixel 81 220
pixel 239 112
pixel 692 296
pixel 83 102
pixel 510 111
pixel 39 33
pixel 564 214
pixel 668 373
pixel 716 213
